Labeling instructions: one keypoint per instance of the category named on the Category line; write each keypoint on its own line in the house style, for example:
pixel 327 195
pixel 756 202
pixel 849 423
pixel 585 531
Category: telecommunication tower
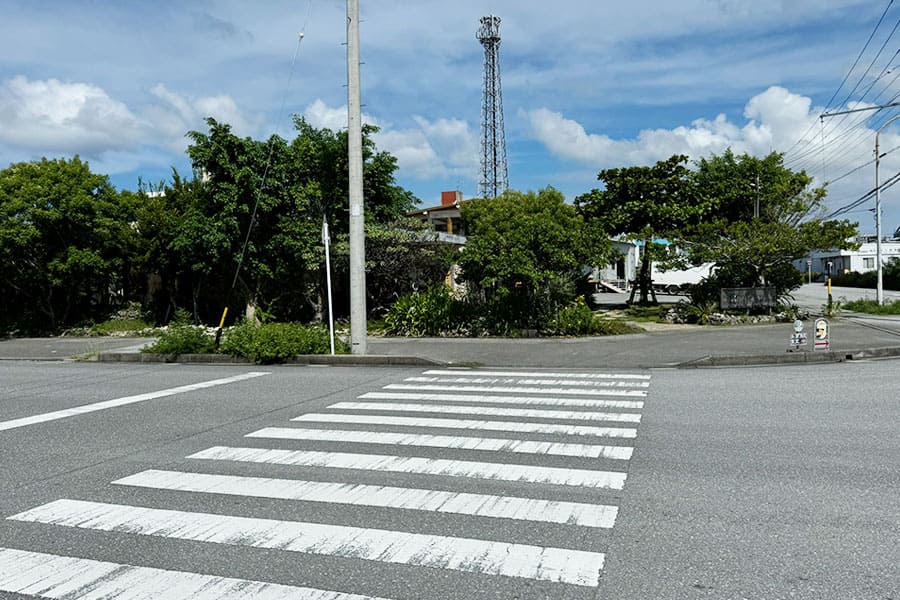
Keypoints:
pixel 494 180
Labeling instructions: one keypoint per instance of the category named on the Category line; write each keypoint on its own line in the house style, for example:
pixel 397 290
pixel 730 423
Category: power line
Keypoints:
pixel 847 76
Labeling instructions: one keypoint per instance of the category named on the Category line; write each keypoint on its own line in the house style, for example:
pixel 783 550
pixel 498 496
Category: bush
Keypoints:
pixel 183 339
pixel 579 319
pixel 429 313
pixel 277 342
pixel 872 307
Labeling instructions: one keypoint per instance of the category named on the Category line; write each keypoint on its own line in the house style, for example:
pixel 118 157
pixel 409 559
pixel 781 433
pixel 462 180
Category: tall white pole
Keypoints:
pixel 879 290
pixel 326 240
pixel 357 221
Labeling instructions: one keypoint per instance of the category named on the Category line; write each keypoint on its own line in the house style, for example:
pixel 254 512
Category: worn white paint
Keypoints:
pixel 69 578
pixel 523 400
pixel 460 554
pixel 479 505
pixel 516 389
pixel 603 383
pixel 88 408
pixel 566 375
pixel 445 441
pixel 446 423
pixel 420 465
pixel 490 411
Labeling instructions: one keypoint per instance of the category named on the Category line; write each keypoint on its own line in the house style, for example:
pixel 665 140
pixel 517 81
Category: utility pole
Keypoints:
pixel 357 221
pixel 756 200
pixel 879 289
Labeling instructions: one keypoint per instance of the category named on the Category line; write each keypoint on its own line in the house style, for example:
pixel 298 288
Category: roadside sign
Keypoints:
pixel 798 337
pixel 822 342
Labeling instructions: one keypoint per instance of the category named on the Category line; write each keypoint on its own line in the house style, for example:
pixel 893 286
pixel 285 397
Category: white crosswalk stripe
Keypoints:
pixel 524 424
pixel 471 424
pixel 515 389
pixel 418 465
pixel 446 441
pixel 562 375
pixel 530 381
pixel 476 556
pixel 528 413
pixel 62 577
pixel 519 400
pixel 480 505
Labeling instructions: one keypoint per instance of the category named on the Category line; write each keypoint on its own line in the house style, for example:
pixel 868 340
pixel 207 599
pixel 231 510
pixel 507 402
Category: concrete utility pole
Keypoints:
pixel 357 221
pixel 879 289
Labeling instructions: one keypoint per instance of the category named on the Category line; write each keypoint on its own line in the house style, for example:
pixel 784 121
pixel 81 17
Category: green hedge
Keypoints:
pixel 276 342
pixel 264 344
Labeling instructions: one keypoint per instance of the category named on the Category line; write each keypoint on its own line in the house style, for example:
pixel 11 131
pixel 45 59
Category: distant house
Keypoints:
pixel 445 218
pixel 838 262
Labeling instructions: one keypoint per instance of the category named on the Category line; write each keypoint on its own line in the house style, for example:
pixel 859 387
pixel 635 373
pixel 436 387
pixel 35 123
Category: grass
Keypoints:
pixel 872 307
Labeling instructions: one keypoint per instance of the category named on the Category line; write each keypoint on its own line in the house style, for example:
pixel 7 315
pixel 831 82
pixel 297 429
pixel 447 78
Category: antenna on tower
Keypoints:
pixel 494 179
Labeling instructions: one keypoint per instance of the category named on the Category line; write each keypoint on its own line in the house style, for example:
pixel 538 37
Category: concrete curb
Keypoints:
pixel 790 358
pixel 368 360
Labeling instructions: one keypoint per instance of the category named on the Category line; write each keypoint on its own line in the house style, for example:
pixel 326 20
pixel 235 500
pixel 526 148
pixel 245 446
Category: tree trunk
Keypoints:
pixel 644 281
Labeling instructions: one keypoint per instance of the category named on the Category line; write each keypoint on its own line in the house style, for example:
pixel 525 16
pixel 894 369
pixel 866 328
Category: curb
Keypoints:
pixel 789 358
pixel 367 360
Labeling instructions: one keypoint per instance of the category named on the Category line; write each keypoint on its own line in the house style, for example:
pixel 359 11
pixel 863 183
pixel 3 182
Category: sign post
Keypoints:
pixel 822 342
pixel 798 338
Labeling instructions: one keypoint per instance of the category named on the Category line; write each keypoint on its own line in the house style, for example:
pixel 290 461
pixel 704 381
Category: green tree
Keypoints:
pixel 523 248
pixel 766 216
pixel 645 204
pixel 65 235
pixel 255 209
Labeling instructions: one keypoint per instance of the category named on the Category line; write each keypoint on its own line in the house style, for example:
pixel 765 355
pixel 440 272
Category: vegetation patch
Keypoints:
pixel 872 307
pixel 277 342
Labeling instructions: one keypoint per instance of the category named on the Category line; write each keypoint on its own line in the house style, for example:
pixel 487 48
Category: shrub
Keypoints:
pixel 872 307
pixel 429 313
pixel 276 342
pixel 579 319
pixel 119 326
pixel 183 339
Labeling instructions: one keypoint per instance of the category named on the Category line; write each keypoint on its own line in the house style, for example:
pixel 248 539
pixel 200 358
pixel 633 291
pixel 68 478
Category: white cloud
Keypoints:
pixel 172 115
pixel 55 116
pixel 442 148
pixel 776 118
pixel 50 117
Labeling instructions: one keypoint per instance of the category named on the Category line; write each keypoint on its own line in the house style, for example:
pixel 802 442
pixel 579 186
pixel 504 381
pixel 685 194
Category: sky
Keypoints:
pixel 586 85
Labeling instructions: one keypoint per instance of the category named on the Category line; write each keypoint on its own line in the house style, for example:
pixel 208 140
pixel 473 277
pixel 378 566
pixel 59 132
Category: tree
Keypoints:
pixel 65 238
pixel 766 216
pixel 255 209
pixel 522 248
pixel 645 204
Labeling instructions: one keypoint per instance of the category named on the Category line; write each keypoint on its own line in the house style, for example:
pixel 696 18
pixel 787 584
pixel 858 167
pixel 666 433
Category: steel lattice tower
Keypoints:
pixel 494 180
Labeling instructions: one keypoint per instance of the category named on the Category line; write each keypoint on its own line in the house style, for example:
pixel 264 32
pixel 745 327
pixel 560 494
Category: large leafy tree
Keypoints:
pixel 524 248
pixel 65 239
pixel 645 204
pixel 255 209
pixel 766 216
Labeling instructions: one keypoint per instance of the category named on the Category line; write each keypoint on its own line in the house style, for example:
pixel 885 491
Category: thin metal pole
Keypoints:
pixel 326 240
pixel 357 221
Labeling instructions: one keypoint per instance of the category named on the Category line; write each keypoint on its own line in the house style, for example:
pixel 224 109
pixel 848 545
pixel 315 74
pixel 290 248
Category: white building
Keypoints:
pixel 839 262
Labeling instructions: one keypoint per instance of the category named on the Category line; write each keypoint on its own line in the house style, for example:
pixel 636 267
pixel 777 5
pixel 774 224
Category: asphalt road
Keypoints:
pixel 775 482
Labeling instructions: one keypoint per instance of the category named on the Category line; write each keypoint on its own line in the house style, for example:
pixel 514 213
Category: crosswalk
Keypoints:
pixel 512 477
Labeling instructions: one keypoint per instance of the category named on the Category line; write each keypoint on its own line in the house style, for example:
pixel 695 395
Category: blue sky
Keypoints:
pixel 587 85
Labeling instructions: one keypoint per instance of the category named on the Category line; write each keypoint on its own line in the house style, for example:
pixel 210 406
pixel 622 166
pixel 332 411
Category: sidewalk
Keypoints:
pixel 852 337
